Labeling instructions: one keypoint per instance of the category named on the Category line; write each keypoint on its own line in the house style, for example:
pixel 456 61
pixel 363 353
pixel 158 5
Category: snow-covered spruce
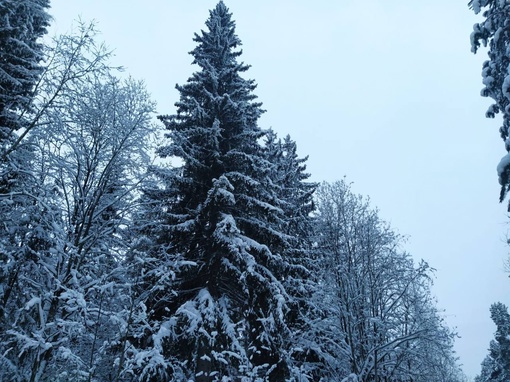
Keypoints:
pixel 221 230
pixel 494 31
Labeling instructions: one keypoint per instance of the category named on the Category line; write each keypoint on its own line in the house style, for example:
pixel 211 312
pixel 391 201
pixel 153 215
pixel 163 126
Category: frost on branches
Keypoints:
pixel 63 288
pixel 230 266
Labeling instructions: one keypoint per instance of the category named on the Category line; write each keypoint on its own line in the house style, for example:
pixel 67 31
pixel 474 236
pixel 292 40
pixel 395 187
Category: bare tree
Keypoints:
pixel 88 139
pixel 379 310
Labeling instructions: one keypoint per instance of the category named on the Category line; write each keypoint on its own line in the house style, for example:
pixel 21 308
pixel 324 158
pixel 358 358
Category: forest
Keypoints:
pixel 192 246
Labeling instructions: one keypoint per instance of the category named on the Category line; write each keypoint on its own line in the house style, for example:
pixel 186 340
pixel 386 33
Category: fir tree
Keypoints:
pixel 220 230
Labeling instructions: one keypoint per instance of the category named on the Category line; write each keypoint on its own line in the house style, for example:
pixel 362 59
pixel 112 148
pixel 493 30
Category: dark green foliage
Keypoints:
pixel 494 31
pixel 496 366
pixel 22 24
pixel 290 177
pixel 222 226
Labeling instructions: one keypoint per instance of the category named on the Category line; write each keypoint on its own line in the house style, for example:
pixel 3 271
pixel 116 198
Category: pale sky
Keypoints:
pixel 385 92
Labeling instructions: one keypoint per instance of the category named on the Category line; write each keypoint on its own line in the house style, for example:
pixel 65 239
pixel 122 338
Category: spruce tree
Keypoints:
pixel 496 366
pixel 294 189
pixel 494 31
pixel 296 194
pixel 22 24
pixel 219 231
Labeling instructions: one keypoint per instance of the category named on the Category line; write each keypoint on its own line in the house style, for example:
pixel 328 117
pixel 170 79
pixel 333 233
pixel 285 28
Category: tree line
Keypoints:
pixel 227 266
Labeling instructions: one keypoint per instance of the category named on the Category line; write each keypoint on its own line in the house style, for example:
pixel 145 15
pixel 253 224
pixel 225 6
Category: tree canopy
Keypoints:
pixel 227 265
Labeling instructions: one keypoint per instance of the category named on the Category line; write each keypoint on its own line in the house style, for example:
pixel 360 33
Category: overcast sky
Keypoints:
pixel 385 92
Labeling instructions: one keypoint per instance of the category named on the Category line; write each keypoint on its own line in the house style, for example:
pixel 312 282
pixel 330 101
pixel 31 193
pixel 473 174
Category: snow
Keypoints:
pixel 488 81
pixel 492 111
pixel 185 226
pixel 74 300
pixel 476 6
pixel 226 227
pixel 162 333
pixel 506 87
pixel 503 166
pixel 351 378
pixel 32 302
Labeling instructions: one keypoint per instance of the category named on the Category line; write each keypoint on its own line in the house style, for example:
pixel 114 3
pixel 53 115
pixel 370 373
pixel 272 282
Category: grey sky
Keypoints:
pixel 385 92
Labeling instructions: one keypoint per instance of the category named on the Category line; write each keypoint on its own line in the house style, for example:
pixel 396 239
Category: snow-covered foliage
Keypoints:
pixel 215 270
pixel 62 294
pixel 496 366
pixel 350 378
pixel 494 31
pixel 24 217
pixel 228 231
pixel 22 24
pixel 378 312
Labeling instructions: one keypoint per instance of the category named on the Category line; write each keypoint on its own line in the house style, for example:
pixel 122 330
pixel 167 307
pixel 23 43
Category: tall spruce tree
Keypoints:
pixel 219 231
